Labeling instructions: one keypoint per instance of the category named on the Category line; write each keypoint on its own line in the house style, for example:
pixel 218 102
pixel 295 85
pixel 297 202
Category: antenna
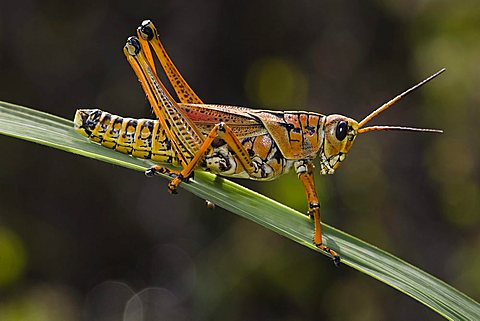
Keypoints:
pixel 410 129
pixel 390 103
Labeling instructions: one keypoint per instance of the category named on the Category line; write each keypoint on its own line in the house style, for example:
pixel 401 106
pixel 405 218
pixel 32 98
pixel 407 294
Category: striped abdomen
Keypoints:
pixel 142 138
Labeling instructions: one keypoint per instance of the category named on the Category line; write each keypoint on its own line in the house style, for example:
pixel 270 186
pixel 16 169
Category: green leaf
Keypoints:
pixel 42 128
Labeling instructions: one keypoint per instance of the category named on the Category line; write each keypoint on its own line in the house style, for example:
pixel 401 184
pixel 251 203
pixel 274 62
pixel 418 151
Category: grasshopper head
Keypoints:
pixel 340 132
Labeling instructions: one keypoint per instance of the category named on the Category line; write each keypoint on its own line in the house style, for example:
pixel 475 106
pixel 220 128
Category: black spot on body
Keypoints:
pixel 288 126
pixel 278 156
pixel 310 129
pixel 105 121
pixel 132 122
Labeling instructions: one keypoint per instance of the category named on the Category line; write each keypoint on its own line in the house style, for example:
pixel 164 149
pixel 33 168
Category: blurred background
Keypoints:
pixel 85 240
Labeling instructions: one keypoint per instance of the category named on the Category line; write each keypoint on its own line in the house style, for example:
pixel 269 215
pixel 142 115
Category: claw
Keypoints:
pixel 172 190
pixel 210 205
pixel 150 172
pixel 336 260
pixel 326 249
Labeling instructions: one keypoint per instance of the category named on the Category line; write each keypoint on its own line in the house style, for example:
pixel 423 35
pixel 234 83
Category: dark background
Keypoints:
pixel 85 240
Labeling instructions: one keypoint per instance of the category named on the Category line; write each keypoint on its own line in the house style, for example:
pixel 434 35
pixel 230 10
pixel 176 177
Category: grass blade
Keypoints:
pixel 46 129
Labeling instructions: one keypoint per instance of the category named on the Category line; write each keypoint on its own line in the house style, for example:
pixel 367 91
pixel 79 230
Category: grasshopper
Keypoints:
pixel 226 140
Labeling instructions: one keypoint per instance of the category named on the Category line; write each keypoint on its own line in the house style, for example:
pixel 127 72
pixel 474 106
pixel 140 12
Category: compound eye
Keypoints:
pixel 341 131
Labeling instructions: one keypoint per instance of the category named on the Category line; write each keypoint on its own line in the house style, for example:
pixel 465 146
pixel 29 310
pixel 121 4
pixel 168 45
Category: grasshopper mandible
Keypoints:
pixel 226 140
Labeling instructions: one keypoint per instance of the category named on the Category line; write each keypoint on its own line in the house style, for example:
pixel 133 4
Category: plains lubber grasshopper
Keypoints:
pixel 226 140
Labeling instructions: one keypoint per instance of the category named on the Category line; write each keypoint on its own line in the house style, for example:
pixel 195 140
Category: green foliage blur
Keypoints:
pixel 84 240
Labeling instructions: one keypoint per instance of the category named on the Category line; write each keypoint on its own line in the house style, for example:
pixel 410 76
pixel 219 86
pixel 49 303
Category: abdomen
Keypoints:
pixel 141 138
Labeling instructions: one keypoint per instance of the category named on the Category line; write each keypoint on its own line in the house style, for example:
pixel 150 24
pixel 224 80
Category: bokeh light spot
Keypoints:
pixel 12 257
pixel 276 82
